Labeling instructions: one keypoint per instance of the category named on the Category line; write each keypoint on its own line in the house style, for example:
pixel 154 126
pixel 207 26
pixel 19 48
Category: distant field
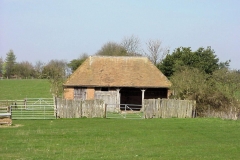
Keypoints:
pixel 121 139
pixel 24 88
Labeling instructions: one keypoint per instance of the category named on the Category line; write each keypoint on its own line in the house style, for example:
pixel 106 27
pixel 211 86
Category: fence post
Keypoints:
pixel 55 106
pixel 194 110
pixel 125 111
pixel 105 116
pixel 209 111
pixel 25 103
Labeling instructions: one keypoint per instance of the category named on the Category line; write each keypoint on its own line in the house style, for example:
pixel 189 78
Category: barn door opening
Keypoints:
pixel 131 96
pixel 155 93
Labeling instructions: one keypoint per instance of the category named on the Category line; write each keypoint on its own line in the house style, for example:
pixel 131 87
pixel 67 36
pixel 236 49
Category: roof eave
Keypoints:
pixel 116 86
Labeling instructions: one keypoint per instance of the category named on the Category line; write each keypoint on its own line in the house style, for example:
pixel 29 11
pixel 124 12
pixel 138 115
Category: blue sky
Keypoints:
pixel 59 29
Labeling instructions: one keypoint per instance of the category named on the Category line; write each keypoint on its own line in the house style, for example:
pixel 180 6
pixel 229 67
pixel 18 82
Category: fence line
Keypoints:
pixel 79 108
pixel 231 113
pixel 167 108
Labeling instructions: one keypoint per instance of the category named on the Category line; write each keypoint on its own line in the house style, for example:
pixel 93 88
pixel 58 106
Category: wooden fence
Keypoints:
pixel 231 113
pixel 167 108
pixel 80 108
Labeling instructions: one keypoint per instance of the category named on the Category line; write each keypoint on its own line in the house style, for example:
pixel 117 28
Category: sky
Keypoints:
pixel 43 30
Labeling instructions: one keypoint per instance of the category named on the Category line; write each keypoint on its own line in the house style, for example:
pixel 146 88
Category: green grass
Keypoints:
pixel 33 114
pixel 137 115
pixel 19 89
pixel 121 139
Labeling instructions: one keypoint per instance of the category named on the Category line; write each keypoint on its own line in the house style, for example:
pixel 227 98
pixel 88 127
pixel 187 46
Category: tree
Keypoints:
pixel 228 82
pixel 218 91
pixel 56 71
pixel 24 70
pixel 112 49
pixel 75 63
pixel 206 60
pixel 155 51
pixel 1 67
pixel 39 69
pixel 223 65
pixel 132 45
pixel 203 59
pixel 172 61
pixel 10 63
pixel 189 83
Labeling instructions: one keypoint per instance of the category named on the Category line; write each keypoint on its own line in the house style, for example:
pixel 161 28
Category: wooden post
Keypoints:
pixel 55 106
pixel 10 108
pixel 143 90
pixel 105 113
pixel 118 100
pixel 25 103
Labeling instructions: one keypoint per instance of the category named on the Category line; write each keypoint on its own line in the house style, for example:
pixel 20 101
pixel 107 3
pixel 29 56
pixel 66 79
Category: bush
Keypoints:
pixel 219 91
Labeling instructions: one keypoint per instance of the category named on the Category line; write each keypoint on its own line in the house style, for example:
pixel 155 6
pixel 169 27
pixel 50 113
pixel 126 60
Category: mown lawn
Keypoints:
pixel 18 89
pixel 121 139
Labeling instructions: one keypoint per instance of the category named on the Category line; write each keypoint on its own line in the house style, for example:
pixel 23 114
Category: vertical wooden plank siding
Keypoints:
pixel 111 97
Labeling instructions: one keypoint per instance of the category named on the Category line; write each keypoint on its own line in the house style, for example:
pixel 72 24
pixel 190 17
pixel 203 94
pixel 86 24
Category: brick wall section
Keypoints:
pixel 69 93
pixel 90 93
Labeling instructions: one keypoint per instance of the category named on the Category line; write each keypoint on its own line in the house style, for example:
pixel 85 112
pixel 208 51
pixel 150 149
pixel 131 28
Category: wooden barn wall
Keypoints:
pixel 110 98
pixel 80 93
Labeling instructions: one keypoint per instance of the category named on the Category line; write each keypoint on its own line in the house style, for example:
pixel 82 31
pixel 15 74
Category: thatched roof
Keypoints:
pixel 108 71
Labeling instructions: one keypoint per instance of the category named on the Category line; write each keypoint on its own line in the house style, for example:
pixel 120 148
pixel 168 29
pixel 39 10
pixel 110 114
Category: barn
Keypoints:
pixel 117 80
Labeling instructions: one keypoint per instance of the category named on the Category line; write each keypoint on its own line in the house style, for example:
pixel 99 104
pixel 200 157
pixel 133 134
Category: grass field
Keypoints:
pixel 18 89
pixel 121 139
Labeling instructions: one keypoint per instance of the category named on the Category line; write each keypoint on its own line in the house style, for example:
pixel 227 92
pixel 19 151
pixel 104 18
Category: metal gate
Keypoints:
pixel 34 108
pixel 128 111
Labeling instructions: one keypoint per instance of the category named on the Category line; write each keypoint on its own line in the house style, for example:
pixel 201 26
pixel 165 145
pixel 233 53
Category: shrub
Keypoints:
pixel 219 91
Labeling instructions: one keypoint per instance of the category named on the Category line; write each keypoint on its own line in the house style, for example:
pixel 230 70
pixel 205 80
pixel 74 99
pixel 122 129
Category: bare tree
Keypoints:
pixel 39 68
pixel 132 45
pixel 155 51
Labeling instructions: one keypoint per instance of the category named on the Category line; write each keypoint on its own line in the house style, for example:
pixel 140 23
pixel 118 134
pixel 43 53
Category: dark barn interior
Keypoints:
pixel 134 95
pixel 154 93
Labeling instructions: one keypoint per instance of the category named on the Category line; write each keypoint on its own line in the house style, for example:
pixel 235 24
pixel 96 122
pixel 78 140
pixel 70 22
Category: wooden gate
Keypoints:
pixel 34 108
pixel 126 111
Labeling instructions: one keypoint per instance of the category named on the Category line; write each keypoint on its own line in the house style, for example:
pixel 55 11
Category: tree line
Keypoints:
pixel 10 68
pixel 195 75
pixel 203 59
